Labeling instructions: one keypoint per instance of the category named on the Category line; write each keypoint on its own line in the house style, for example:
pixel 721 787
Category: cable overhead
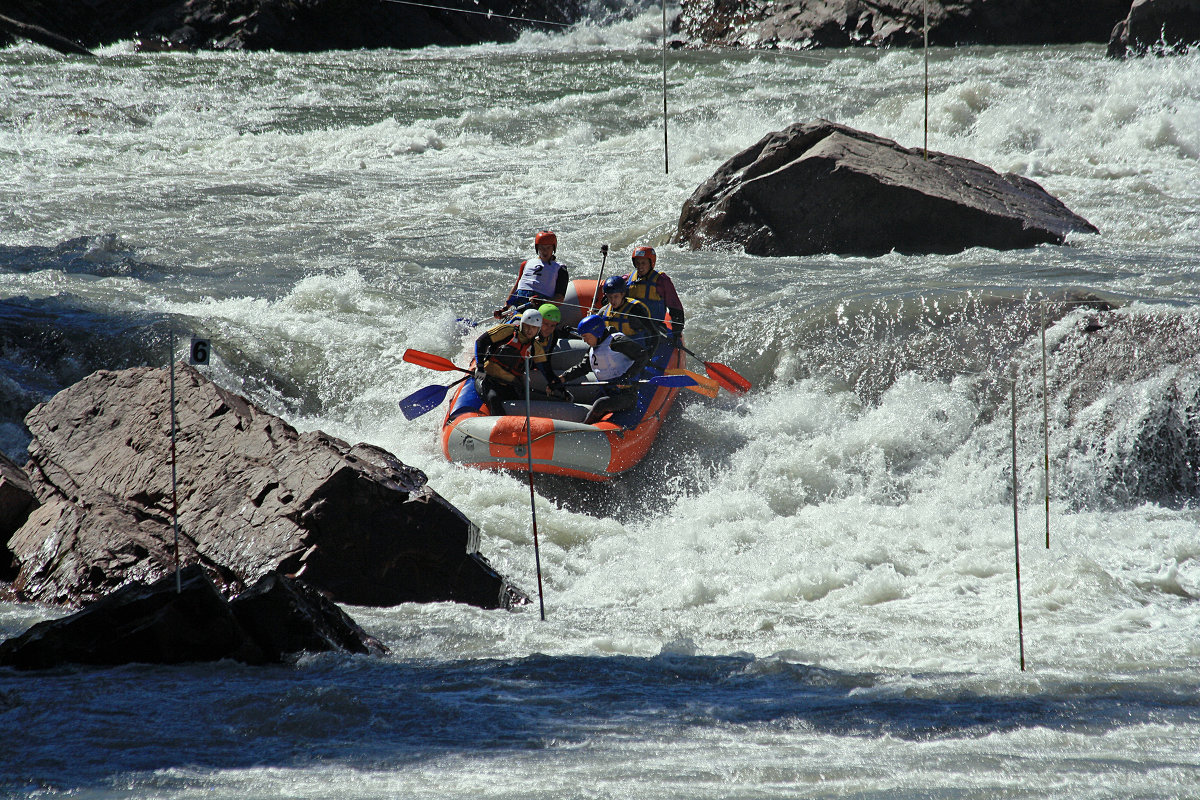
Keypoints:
pixel 491 14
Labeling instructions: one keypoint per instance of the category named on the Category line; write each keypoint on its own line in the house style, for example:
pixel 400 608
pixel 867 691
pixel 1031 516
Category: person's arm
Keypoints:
pixel 631 349
pixel 577 371
pixel 652 330
pixel 666 290
pixel 560 285
pixel 512 293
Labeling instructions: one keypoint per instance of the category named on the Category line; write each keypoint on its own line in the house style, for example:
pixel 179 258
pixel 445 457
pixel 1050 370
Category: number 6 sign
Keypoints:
pixel 200 351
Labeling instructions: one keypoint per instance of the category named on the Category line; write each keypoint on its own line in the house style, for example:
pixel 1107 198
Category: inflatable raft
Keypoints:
pixel 562 444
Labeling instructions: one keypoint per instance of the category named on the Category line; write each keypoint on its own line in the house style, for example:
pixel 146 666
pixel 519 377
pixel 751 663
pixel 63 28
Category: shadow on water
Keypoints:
pixel 77 727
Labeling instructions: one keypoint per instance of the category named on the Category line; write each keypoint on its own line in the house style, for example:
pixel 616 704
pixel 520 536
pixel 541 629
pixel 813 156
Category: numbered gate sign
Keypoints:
pixel 200 351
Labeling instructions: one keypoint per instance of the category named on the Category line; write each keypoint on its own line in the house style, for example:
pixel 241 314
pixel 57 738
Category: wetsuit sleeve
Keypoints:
pixel 512 293
pixel 577 371
pixel 633 350
pixel 560 285
pixel 666 290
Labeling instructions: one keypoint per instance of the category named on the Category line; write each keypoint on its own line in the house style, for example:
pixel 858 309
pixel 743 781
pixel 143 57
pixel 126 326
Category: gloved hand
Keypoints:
pixel 500 313
pixel 558 391
pixel 480 373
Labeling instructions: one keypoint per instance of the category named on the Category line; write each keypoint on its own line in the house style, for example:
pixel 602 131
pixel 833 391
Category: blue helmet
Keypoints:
pixel 593 324
pixel 615 283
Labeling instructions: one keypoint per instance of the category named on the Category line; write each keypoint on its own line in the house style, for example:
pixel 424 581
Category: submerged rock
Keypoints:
pixel 820 187
pixel 1156 26
pixel 254 497
pixel 158 624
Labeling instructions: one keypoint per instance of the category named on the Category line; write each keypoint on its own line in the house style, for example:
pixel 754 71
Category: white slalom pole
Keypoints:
pixel 537 557
pixel 1016 536
pixel 926 35
pixel 666 157
pixel 1046 424
pixel 174 493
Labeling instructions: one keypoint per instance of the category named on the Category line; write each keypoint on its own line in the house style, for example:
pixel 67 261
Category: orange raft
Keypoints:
pixel 562 443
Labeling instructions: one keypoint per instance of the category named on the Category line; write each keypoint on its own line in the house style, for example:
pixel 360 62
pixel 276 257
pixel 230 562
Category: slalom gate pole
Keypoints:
pixel 537 557
pixel 174 493
pixel 666 157
pixel 925 6
pixel 1046 425
pixel 1016 536
pixel 600 277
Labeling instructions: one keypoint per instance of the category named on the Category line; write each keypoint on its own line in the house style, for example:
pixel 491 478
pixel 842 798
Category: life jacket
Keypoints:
pixel 620 320
pixel 606 362
pixel 646 290
pixel 506 360
pixel 538 277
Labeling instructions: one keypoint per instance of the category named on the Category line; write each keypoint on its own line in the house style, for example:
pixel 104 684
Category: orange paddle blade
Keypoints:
pixel 430 361
pixel 704 384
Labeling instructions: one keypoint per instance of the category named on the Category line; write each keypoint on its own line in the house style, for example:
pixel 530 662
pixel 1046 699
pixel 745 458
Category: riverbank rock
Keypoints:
pixel 160 624
pixel 285 25
pixel 820 187
pixel 896 23
pixel 1156 26
pixel 254 497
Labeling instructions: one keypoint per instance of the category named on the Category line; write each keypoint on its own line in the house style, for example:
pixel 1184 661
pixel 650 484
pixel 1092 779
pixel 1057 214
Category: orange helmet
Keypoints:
pixel 643 250
pixel 545 237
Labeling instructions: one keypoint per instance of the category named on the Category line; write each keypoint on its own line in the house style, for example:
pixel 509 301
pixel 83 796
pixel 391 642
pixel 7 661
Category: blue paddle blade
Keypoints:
pixel 672 380
pixel 423 401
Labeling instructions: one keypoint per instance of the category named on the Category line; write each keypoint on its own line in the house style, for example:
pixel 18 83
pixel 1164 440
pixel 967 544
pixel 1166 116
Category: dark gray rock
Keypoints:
pixel 284 25
pixel 880 23
pixel 159 624
pixel 1158 26
pixel 254 496
pixel 820 187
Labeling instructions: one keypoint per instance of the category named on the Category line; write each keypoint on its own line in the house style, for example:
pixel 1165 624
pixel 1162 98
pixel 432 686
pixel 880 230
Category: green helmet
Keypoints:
pixel 550 312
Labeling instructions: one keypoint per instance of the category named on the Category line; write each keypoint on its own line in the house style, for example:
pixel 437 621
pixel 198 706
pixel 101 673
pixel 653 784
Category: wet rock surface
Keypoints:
pixel 254 496
pixel 820 187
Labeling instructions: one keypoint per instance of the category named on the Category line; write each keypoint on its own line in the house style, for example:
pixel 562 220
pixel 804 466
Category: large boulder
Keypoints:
pixel 285 25
pixel 889 23
pixel 1156 25
pixel 820 187
pixel 254 497
pixel 174 621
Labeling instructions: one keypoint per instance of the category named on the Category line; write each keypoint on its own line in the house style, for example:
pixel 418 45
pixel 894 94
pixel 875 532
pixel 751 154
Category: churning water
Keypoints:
pixel 807 591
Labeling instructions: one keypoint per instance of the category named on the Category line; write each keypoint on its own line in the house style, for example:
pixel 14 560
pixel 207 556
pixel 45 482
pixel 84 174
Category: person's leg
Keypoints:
pixel 610 404
pixel 494 392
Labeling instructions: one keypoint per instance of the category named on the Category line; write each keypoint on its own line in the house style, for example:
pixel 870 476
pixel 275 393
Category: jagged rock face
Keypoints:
pixel 254 496
pixel 820 187
pixel 880 23
pixel 1156 25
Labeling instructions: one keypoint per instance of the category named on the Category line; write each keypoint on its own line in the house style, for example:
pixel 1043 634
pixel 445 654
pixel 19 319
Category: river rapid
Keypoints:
pixel 805 591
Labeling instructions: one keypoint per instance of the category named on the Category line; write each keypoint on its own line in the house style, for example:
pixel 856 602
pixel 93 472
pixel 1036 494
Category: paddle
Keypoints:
pixel 722 374
pixel 704 385
pixel 678 381
pixel 430 361
pixel 425 400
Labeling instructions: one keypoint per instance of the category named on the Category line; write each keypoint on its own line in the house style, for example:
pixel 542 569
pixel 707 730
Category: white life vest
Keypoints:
pixel 607 363
pixel 539 276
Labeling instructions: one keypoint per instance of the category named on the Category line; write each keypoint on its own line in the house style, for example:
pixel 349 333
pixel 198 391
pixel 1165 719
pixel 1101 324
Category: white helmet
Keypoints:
pixel 532 317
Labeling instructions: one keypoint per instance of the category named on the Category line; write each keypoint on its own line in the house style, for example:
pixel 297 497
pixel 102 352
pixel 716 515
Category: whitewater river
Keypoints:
pixel 807 591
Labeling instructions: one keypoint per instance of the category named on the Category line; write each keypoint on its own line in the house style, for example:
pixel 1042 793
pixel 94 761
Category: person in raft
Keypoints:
pixel 538 279
pixel 553 331
pixel 500 362
pixel 629 316
pixel 655 289
pixel 615 359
